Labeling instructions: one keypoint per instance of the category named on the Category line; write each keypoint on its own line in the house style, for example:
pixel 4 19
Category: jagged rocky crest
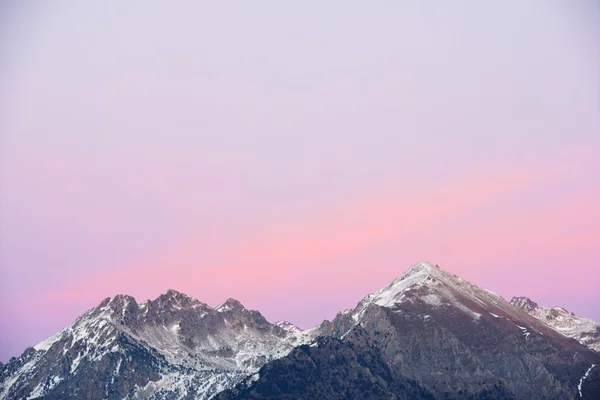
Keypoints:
pixel 524 303
pixel 329 368
pixel 436 333
pixel 174 346
pixel 428 334
pixel 584 330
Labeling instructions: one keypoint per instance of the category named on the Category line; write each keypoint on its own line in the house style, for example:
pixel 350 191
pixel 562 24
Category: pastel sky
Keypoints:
pixel 294 155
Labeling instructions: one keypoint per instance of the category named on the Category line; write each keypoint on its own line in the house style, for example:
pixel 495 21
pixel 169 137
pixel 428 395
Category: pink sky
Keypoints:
pixel 296 158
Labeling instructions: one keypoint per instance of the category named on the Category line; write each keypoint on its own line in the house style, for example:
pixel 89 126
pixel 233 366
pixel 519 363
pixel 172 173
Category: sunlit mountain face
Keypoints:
pixel 427 334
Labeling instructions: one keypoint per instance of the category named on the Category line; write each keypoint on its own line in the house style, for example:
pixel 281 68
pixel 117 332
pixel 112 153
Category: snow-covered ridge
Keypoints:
pixel 189 332
pixel 229 305
pixel 426 286
pixel 436 287
pixel 197 346
pixel 288 327
pixel 584 330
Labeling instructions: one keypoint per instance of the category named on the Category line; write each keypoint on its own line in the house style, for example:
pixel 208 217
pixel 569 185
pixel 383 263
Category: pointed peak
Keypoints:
pixel 176 300
pixel 419 274
pixel 117 299
pixel 123 297
pixel 288 326
pixel 124 300
pixel 524 303
pixel 118 305
pixel 230 304
pixel 426 281
pixel 172 293
pixel 422 269
pixel 424 265
pixel 105 302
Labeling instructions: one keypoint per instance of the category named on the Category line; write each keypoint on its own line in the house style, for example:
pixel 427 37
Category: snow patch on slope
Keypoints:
pixel 435 287
pixel 583 378
pixel 288 327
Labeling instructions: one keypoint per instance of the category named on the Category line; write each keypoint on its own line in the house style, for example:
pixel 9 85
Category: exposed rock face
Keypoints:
pixel 453 339
pixel 330 368
pixel 584 330
pixel 288 326
pixel 524 303
pixel 174 346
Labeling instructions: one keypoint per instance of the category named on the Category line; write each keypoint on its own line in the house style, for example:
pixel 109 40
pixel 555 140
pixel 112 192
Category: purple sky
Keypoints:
pixel 296 157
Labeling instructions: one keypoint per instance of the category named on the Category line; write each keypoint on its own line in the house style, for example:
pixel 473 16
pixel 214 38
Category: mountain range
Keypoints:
pixel 584 330
pixel 428 334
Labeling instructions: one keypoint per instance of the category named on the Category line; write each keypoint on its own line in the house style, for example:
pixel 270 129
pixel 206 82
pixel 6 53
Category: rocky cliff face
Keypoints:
pixel 174 346
pixel 584 330
pixel 452 340
pixel 524 303
pixel 353 368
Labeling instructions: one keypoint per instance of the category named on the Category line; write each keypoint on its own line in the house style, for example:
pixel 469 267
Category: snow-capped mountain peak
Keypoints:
pixel 584 330
pixel 456 339
pixel 419 275
pixel 524 303
pixel 173 346
pixel 230 304
pixel 429 283
pixel 426 289
pixel 288 326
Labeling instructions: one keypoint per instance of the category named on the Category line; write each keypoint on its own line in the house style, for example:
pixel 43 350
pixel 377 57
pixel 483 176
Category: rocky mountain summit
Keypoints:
pixel 524 303
pixel 584 330
pixel 288 326
pixel 428 334
pixel 172 347
pixel 436 333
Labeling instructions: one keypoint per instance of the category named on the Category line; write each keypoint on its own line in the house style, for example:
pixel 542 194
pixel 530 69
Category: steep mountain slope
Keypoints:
pixel 350 369
pixel 584 330
pixel 451 338
pixel 175 347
